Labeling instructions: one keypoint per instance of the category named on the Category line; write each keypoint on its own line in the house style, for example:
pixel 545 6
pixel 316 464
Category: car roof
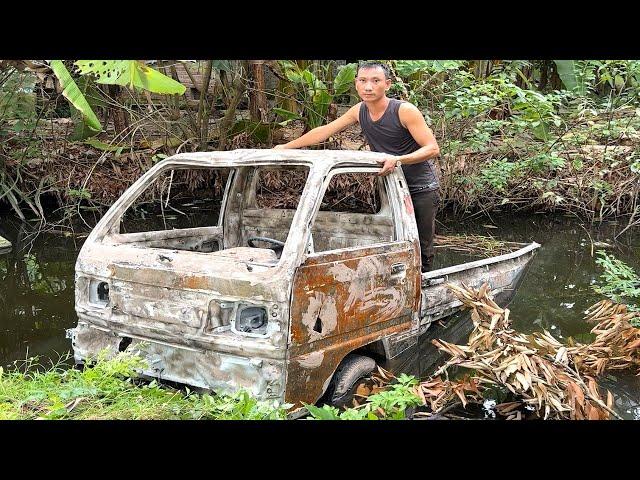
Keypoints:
pixel 278 157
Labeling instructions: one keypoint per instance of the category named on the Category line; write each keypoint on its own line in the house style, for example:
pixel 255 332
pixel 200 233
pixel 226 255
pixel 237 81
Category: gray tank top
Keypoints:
pixel 388 135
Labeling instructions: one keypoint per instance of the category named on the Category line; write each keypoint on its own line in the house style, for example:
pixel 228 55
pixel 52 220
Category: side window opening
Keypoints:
pixel 354 212
pixel 184 209
pixel 178 198
pixel 352 193
pixel 273 199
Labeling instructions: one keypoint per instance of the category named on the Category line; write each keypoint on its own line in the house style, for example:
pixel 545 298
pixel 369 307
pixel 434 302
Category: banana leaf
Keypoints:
pixel 286 114
pixel 131 73
pixel 567 73
pixel 75 96
pixel 106 71
pixel 81 129
pixel 344 79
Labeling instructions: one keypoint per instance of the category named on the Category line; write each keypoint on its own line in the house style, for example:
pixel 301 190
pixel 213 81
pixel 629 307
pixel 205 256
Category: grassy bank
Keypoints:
pixel 109 390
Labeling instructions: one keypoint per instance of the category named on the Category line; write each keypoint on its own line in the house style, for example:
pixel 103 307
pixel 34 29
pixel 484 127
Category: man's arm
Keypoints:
pixel 320 134
pixel 412 119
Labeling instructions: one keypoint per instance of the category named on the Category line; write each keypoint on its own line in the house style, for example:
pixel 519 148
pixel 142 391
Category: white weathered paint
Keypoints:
pixel 311 360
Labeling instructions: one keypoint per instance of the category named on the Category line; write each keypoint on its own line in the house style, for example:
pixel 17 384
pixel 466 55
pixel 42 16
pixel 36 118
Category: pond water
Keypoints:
pixel 37 288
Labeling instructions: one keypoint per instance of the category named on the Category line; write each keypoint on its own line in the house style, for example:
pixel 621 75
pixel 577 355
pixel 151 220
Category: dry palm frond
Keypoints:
pixel 617 343
pixel 556 380
pixel 475 244
pixel 553 380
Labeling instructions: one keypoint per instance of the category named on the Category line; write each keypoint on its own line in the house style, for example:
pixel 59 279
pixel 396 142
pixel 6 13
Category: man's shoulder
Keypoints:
pixel 407 110
pixel 407 106
pixel 355 111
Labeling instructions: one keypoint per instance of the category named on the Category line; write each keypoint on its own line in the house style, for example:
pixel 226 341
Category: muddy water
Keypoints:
pixel 554 293
pixel 36 289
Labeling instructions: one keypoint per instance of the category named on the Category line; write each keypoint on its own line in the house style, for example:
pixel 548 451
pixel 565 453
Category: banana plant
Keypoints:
pixel 316 97
pixel 569 73
pixel 72 93
pixel 131 73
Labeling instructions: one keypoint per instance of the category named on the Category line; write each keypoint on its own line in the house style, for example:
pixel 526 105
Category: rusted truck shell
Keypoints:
pixel 172 304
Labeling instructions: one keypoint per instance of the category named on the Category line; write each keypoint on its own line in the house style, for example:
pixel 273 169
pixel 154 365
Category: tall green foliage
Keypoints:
pixel 130 73
pixel 314 95
pixel 72 93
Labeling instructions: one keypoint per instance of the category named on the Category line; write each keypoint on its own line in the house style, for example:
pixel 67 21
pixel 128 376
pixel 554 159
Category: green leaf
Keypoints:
pixel 286 114
pixel 140 76
pixel 258 130
pixel 131 73
pixel 619 82
pixel 81 130
pixel 106 71
pixel 318 112
pixel 72 93
pixel 224 65
pixel 324 413
pixel 541 131
pixel 309 78
pixel 105 147
pixel 344 79
pixel 567 73
pixel 293 76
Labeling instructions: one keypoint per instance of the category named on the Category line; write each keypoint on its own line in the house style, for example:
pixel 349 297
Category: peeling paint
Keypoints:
pixel 311 360
pixel 322 310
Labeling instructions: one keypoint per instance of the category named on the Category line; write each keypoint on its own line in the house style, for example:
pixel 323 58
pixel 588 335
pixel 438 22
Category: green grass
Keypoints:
pixel 109 390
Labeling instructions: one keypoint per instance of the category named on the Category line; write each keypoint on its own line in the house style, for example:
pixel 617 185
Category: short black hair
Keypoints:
pixel 385 68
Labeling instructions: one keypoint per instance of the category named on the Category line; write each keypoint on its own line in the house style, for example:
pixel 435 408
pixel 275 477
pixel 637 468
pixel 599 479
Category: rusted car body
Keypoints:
pixel 206 309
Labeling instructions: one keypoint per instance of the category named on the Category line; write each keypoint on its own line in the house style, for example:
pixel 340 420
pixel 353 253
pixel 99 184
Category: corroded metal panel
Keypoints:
pixel 219 371
pixel 344 300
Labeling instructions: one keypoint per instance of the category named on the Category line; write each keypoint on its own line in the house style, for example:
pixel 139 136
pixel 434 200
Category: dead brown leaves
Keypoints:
pixel 475 244
pixel 555 380
pixel 617 343
pixel 546 379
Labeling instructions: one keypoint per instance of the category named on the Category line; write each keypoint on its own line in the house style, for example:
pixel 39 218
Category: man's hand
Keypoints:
pixel 279 147
pixel 389 165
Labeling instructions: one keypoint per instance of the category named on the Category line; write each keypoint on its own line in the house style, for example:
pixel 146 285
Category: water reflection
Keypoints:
pixel 36 294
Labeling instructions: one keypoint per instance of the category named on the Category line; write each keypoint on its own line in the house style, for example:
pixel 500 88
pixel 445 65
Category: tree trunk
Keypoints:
pixel 203 112
pixel 118 115
pixel 544 74
pixel 556 81
pixel 482 68
pixel 257 96
pixel 226 123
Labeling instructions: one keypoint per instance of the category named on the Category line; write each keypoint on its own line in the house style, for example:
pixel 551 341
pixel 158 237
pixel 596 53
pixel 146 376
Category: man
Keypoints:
pixel 397 128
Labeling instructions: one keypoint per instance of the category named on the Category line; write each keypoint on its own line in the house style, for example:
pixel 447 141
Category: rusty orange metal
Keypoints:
pixel 343 301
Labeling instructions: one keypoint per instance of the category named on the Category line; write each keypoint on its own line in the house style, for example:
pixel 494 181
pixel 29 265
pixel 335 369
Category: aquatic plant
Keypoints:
pixel 619 281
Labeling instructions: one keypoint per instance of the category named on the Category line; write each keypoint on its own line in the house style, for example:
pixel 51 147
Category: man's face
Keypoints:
pixel 371 83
